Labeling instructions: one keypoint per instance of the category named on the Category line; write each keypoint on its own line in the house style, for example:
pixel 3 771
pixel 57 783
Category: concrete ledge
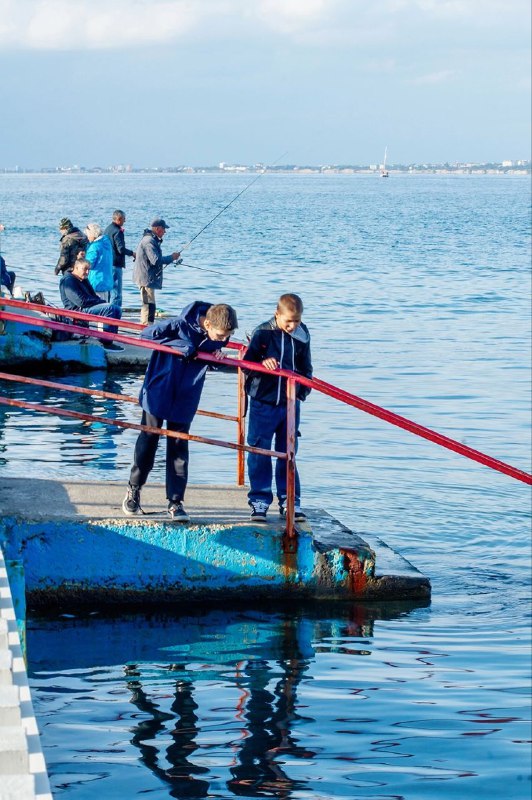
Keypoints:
pixel 9 706
pixel 76 549
pixel 34 349
pixel 17 787
pixel 13 750
pixel 23 774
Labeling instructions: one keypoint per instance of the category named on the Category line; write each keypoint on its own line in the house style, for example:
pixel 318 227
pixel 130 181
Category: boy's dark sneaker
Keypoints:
pixel 116 348
pixel 258 510
pixel 131 504
pixel 299 515
pixel 177 512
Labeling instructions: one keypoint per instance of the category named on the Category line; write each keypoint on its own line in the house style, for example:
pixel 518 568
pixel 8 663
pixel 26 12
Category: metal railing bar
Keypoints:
pixel 315 383
pixel 63 412
pixel 85 316
pixel 96 392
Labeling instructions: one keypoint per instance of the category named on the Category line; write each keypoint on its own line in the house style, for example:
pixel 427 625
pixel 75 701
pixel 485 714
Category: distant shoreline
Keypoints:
pixel 524 168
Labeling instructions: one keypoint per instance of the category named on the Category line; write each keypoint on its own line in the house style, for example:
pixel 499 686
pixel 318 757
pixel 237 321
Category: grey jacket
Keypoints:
pixel 149 261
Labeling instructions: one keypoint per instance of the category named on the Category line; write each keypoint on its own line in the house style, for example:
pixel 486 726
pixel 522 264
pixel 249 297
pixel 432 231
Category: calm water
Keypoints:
pixel 417 294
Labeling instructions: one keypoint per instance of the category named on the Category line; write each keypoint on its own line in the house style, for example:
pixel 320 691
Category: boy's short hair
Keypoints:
pixel 223 317
pixel 290 302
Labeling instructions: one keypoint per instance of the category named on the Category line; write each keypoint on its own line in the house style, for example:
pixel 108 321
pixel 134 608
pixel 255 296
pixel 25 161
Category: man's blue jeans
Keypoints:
pixel 267 423
pixel 115 298
pixel 106 310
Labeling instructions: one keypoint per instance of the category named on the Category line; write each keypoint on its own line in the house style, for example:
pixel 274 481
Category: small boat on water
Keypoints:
pixel 384 171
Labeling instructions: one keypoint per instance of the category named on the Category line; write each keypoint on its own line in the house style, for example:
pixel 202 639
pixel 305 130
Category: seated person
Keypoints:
pixel 77 294
pixel 7 277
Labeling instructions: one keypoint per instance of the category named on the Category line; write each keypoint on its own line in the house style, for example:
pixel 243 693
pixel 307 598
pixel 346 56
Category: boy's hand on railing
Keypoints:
pixel 270 363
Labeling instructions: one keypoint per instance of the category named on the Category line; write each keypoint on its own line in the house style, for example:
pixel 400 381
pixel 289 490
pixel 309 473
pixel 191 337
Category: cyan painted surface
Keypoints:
pixel 15 575
pixel 139 556
pixel 26 343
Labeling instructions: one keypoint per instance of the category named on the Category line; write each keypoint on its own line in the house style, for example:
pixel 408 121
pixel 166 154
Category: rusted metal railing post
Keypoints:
pixel 241 423
pixel 291 388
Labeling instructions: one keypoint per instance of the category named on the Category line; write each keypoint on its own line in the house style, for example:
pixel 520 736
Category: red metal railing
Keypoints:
pixel 239 364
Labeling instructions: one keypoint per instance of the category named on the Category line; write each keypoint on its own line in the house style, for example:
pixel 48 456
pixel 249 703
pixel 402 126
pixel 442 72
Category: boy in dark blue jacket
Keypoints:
pixel 171 391
pixel 282 342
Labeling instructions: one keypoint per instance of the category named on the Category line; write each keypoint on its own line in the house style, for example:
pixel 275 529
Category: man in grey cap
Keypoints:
pixel 149 265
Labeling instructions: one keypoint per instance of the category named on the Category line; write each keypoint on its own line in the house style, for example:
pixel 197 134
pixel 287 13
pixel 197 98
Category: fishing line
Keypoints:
pixel 248 186
pixel 203 269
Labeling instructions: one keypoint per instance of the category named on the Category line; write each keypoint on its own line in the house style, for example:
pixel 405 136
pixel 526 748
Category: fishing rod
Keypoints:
pixel 248 186
pixel 230 203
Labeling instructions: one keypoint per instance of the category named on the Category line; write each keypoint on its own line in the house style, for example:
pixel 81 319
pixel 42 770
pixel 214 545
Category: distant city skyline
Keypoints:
pixel 521 165
pixel 156 82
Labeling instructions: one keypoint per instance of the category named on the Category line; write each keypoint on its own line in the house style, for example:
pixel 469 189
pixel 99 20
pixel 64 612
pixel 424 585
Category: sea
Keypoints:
pixel 417 294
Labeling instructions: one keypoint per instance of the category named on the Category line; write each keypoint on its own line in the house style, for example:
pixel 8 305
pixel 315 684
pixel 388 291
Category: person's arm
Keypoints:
pixel 4 277
pixel 305 368
pixel 253 353
pixel 173 333
pixel 64 258
pixel 153 254
pixel 120 244
pixel 72 292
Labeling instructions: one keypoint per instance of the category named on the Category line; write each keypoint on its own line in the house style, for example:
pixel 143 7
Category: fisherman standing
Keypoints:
pixel 115 232
pixel 149 265
pixel 72 243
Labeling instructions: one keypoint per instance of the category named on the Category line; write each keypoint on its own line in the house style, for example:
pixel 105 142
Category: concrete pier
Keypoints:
pixel 77 547
pixel 68 545
pixel 23 774
pixel 32 348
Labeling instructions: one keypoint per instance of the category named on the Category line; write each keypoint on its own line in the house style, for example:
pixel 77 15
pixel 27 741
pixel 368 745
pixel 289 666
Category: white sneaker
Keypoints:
pixel 258 510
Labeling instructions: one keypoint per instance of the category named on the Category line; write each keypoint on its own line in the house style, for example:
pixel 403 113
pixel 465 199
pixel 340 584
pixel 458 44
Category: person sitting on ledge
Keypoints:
pixel 77 294
pixel 7 277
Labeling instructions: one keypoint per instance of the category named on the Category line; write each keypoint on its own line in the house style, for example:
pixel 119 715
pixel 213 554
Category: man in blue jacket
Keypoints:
pixel 149 266
pixel 171 391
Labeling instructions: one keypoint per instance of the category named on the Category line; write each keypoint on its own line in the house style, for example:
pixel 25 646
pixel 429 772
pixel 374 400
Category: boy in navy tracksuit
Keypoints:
pixel 171 391
pixel 282 342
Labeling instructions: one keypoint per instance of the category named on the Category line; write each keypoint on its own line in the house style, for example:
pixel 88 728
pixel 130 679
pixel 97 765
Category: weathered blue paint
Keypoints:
pixel 24 344
pixel 127 559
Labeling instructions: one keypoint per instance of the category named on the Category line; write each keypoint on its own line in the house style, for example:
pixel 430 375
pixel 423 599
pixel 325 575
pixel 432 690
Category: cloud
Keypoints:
pixel 119 24
pixel 94 24
pixel 433 77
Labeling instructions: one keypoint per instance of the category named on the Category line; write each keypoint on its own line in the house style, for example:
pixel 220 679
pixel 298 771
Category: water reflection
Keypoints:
pixel 269 736
pixel 65 441
pixel 215 695
pixel 182 773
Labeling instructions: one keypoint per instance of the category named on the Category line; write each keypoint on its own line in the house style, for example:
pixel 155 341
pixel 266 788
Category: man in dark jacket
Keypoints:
pixel 149 265
pixel 77 294
pixel 72 243
pixel 115 232
pixel 7 277
pixel 171 391
pixel 281 343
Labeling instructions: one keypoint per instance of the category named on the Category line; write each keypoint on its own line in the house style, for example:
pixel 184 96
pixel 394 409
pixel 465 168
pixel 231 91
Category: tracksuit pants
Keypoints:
pixel 176 457
pixel 267 423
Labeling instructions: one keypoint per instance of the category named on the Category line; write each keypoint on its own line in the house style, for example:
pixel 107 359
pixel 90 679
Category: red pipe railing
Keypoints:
pixel 64 412
pixel 241 364
pixel 83 316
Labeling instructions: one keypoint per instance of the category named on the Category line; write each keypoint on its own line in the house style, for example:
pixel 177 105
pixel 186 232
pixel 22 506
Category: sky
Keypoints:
pixel 197 82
